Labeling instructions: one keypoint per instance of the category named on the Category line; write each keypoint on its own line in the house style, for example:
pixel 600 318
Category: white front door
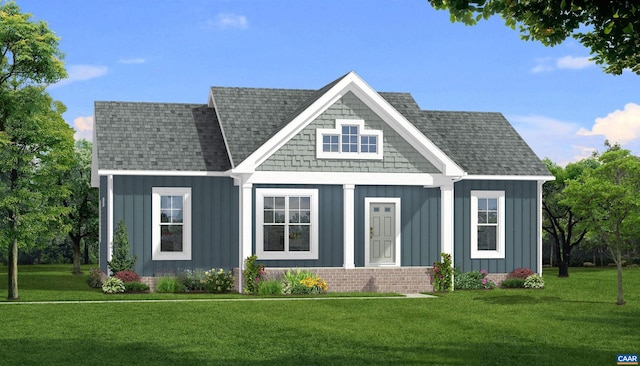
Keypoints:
pixel 382 233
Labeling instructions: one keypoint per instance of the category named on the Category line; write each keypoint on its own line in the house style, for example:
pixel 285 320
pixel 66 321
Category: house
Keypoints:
pixel 362 186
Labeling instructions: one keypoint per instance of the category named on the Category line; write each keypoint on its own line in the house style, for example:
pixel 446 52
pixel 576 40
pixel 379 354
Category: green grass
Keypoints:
pixel 574 321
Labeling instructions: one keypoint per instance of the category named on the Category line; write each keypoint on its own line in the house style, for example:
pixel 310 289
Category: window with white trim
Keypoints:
pixel 286 223
pixel 487 224
pixel 171 221
pixel 348 140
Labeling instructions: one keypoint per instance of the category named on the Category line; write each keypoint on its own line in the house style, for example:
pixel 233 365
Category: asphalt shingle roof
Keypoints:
pixel 159 136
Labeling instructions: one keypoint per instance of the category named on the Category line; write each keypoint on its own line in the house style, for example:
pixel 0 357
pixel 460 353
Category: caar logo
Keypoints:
pixel 627 359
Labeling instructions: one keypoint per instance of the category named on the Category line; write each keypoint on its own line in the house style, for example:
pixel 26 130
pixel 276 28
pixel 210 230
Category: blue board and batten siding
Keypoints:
pixel 419 220
pixel 214 221
pixel 521 226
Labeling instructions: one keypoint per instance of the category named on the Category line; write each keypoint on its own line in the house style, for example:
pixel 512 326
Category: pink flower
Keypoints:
pixel 484 281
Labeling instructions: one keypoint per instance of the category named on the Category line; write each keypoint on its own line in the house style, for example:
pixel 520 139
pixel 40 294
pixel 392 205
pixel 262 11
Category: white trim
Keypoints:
pixel 500 245
pixel 109 218
pixel 543 178
pixel 539 227
pixel 95 177
pixel 341 178
pixel 321 132
pixel 446 219
pixel 168 173
pixel 349 225
pixel 259 232
pixel 367 215
pixel 246 216
pixel 156 253
pixel 353 83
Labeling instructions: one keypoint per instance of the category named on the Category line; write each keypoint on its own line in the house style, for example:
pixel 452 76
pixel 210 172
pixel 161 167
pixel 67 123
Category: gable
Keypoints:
pixel 299 153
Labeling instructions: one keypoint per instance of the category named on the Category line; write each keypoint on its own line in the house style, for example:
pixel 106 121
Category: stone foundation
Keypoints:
pixel 497 278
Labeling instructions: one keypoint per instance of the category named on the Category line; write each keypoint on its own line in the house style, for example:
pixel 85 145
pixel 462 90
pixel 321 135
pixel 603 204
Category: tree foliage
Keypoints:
pixel 35 142
pixel 122 260
pixel 610 29
pixel 567 229
pixel 609 196
pixel 83 202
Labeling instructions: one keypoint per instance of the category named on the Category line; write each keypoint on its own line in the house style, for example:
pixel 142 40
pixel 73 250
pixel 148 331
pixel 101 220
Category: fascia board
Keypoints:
pixel 543 178
pixel 165 173
pixel 341 178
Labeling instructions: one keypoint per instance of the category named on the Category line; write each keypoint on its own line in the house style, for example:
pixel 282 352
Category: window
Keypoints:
pixel 349 140
pixel 487 224
pixel 287 223
pixel 171 233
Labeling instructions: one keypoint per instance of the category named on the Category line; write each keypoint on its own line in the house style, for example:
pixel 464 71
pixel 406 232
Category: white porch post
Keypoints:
pixel 349 225
pixel 109 218
pixel 446 220
pixel 539 228
pixel 246 198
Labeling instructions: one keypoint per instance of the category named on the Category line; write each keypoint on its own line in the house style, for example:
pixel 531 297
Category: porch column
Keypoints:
pixel 109 218
pixel 246 198
pixel 348 228
pixel 446 219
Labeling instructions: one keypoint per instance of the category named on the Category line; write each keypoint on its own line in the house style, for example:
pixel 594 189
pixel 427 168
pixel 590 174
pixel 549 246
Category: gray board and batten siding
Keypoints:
pixel 214 221
pixel 521 226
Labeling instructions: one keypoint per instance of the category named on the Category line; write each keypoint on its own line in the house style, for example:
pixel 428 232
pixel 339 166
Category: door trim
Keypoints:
pixel 398 228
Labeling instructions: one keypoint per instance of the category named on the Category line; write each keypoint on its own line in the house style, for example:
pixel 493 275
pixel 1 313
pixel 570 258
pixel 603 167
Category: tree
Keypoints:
pixel 610 29
pixel 83 202
pixel 610 197
pixel 122 259
pixel 559 220
pixel 34 139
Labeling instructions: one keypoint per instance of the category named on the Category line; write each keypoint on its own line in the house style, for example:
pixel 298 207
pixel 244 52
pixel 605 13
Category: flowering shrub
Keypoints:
pixel 127 276
pixel 442 272
pixel 534 281
pixel 253 274
pixel 95 277
pixel 217 281
pixel 302 282
pixel 474 280
pixel 113 286
pixel 520 273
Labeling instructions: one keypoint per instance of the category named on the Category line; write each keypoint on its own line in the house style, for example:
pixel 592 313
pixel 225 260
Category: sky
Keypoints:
pixel 561 103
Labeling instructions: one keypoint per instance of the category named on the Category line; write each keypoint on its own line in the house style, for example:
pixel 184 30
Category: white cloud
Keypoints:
pixel 622 126
pixel 548 64
pixel 555 139
pixel 83 127
pixel 138 60
pixel 82 73
pixel 227 21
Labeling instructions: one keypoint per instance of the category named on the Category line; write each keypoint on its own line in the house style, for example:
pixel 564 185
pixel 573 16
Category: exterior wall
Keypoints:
pixel 521 226
pixel 103 243
pixel 214 221
pixel 420 222
pixel 299 154
pixel 330 233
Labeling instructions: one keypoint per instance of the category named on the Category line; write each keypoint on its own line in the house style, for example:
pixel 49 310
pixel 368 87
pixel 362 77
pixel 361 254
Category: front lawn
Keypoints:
pixel 573 321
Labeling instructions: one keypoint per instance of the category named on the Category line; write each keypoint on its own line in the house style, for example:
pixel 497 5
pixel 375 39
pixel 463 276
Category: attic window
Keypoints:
pixel 349 140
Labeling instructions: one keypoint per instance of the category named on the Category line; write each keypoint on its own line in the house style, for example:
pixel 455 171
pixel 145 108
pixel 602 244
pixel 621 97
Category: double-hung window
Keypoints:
pixel 348 140
pixel 487 224
pixel 287 223
pixel 171 221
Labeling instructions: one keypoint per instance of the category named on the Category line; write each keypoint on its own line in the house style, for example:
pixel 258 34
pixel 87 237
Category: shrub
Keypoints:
pixel 218 281
pixel 134 286
pixel 113 286
pixel 127 276
pixel 95 277
pixel 302 282
pixel 534 281
pixel 253 274
pixel 169 284
pixel 192 280
pixel 520 273
pixel 122 260
pixel 270 287
pixel 442 272
pixel 474 280
pixel 512 283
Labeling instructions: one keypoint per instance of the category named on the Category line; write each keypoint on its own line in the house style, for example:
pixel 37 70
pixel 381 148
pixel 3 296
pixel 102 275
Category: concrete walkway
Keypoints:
pixel 405 296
